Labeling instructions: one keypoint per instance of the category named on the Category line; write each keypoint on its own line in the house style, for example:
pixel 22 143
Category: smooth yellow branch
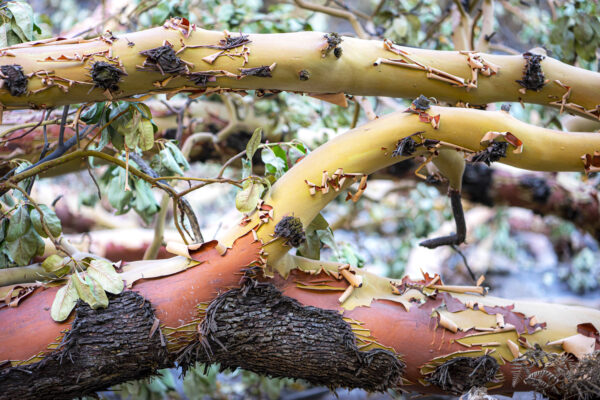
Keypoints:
pixel 60 71
pixel 369 147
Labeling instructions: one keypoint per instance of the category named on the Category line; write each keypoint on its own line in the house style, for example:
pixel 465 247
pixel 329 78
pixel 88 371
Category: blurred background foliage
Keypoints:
pixel 382 231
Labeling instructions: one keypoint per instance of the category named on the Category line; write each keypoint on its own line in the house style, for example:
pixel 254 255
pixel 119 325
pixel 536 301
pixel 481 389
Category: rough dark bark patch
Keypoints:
pixel 106 75
pixel 533 75
pixel 304 75
pixel 494 152
pixel 103 348
pixel 406 147
pixel 290 228
pixel 560 376
pixel 333 41
pixel 202 78
pixel 163 59
pixel 14 79
pixel 259 329
pixel 460 374
pixel 262 71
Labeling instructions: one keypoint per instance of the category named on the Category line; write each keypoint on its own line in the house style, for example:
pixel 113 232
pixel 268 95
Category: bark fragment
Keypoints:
pixel 106 76
pixel 494 152
pixel 333 41
pixel 460 374
pixel 164 60
pixel 14 79
pixel 533 75
pixel 259 329
pixel 103 348
pixel 291 229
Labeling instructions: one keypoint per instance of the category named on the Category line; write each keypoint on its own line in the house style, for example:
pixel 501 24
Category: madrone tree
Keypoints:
pixel 80 323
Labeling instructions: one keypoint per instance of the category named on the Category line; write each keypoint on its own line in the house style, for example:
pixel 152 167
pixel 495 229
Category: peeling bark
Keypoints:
pixel 103 348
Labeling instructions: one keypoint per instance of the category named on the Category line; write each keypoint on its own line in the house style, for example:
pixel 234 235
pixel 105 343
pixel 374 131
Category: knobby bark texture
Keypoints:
pixel 102 348
pixel 258 329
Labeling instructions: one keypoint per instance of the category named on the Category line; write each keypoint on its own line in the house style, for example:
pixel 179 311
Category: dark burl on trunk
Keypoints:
pixel 104 347
pixel 259 329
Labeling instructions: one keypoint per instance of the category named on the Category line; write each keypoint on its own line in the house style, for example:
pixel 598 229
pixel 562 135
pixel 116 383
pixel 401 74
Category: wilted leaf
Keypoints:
pixel 57 265
pixel 90 291
pixel 145 204
pixel 92 114
pixel 146 131
pixel 25 247
pixel 19 224
pixel 23 19
pixel 50 218
pixel 178 155
pixel 118 197
pixel 253 143
pixel 169 162
pixel 104 273
pixel 247 199
pixel 64 302
pixel 274 164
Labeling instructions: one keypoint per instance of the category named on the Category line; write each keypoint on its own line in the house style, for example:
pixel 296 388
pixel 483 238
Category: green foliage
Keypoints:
pixel 90 285
pixel 584 273
pixel 17 23
pixel 576 32
pixel 130 127
pixel 164 10
pixel 21 229
pixel 138 196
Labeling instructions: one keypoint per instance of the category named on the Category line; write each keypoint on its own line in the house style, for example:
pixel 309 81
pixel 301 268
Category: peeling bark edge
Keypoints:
pixel 103 348
pixel 260 330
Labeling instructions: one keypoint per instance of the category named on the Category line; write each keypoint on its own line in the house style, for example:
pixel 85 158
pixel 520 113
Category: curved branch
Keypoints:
pixel 289 54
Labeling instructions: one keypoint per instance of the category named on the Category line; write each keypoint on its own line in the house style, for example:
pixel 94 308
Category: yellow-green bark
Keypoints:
pixel 354 72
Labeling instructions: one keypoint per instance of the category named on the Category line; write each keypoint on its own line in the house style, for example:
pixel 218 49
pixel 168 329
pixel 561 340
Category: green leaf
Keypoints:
pixel 24 183
pixel 64 301
pixel 50 218
pixel 168 161
pixel 273 164
pixel 319 223
pixel 3 227
pixel 25 247
pixel 23 18
pixel 247 198
pixel 311 247
pixel 19 224
pixel 92 114
pixel 117 139
pixel 178 155
pixel 253 143
pixel 118 197
pixel 246 168
pixel 146 130
pixel 104 273
pixel 145 204
pixel 57 265
pixel 90 291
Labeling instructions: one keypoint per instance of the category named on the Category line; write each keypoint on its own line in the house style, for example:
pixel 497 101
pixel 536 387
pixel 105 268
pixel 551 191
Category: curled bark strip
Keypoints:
pixel 103 348
pixel 259 329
